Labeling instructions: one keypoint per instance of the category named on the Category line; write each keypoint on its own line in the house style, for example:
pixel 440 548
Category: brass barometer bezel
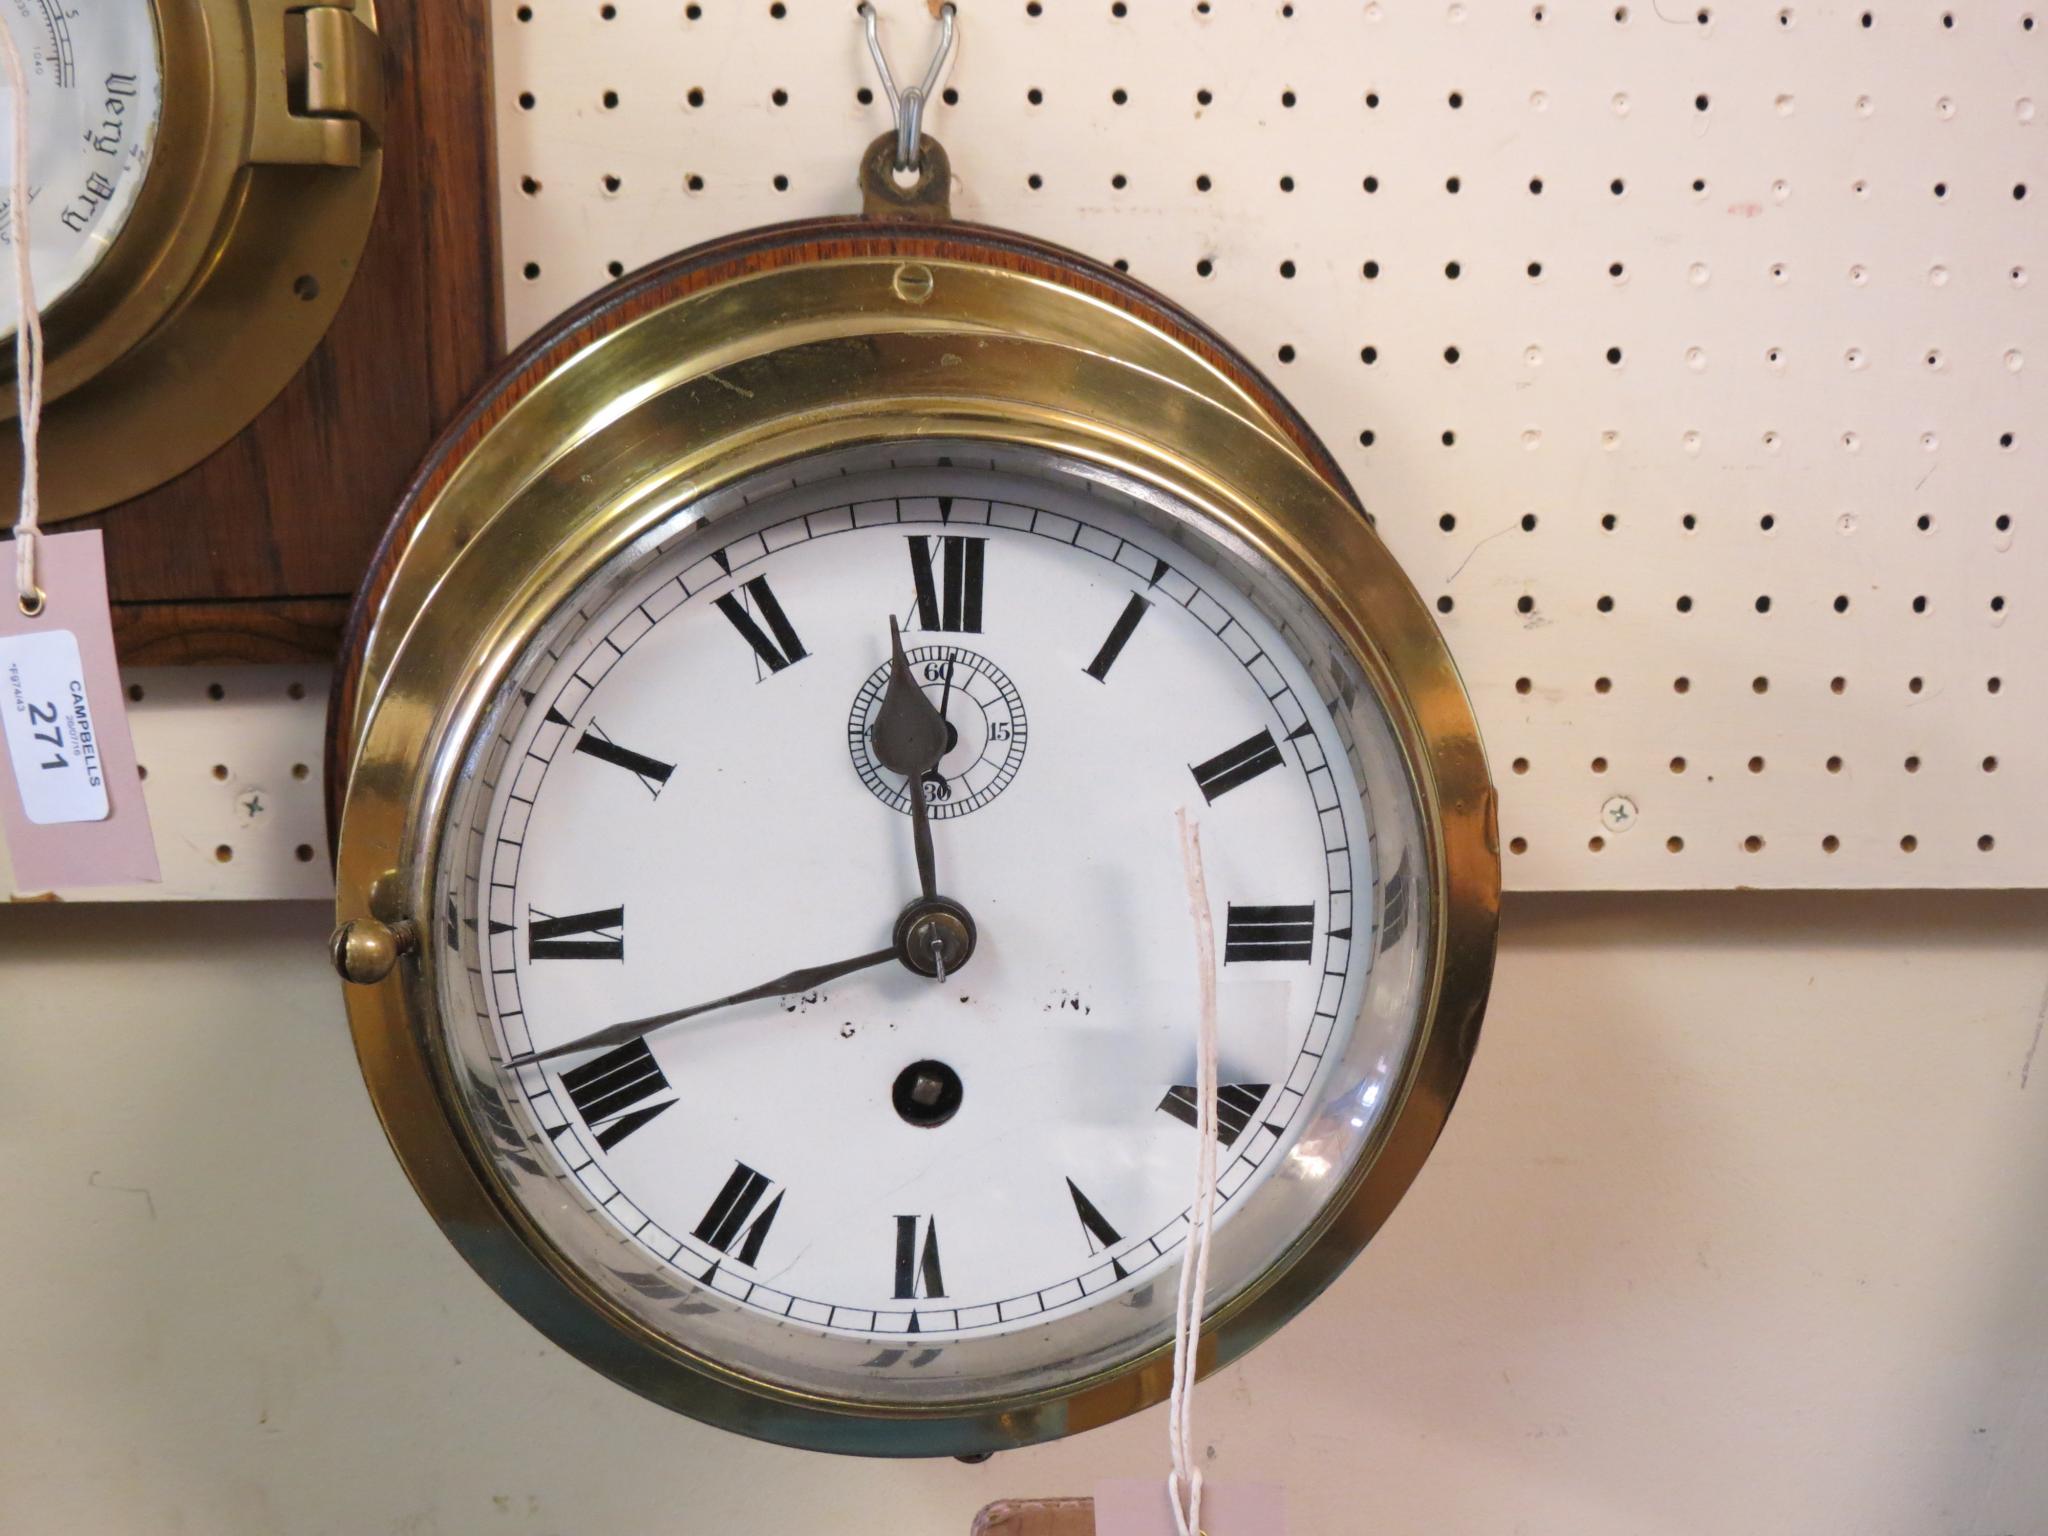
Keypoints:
pixel 240 246
pixel 717 365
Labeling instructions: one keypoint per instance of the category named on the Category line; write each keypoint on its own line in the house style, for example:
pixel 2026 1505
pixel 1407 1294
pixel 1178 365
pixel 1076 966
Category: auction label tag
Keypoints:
pixel 50 735
pixel 71 803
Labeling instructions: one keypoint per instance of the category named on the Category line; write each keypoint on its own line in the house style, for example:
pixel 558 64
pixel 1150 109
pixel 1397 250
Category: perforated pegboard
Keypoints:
pixel 230 762
pixel 1681 350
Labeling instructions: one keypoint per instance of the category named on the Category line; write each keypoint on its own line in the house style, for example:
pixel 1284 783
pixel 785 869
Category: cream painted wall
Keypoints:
pixel 1742 1225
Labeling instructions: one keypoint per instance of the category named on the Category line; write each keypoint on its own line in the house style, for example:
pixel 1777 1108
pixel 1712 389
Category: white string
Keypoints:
pixel 28 340
pixel 1184 1483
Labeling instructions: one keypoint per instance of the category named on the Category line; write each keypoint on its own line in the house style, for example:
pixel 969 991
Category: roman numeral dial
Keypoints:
pixel 947 572
pixel 1237 765
pixel 652 772
pixel 599 935
pixel 878 1166
pixel 730 1225
pixel 775 646
pixel 615 1093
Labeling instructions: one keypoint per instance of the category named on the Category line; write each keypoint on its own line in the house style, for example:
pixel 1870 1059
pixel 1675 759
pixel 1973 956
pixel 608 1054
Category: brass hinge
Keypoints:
pixel 319 73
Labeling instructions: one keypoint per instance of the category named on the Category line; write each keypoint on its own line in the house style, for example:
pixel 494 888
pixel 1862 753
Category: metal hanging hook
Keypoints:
pixel 908 105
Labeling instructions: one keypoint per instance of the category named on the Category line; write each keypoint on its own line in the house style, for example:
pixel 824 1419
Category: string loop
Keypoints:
pixel 28 338
pixel 1184 1482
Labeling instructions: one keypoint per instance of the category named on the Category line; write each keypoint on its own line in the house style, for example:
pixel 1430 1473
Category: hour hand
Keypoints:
pixel 909 737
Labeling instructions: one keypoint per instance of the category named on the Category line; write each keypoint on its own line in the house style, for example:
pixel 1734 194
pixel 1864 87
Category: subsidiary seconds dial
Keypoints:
pixel 690 818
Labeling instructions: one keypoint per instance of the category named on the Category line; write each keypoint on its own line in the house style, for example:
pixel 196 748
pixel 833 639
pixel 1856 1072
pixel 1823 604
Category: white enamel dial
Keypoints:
pixel 95 89
pixel 681 802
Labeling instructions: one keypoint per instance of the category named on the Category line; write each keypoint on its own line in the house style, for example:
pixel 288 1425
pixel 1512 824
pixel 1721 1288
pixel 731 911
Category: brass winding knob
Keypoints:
pixel 365 951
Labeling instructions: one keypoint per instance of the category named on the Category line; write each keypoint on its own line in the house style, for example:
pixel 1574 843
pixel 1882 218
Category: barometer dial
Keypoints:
pixel 95 89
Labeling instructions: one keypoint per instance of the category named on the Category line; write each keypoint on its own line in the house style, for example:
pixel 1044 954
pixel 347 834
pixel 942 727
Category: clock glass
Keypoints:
pixel 946 1153
pixel 95 89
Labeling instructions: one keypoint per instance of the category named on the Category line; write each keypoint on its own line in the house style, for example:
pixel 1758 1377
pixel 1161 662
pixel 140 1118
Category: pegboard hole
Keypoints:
pixel 1830 843
pixel 224 854
pixel 778 97
pixel 1838 685
pixel 1609 522
pixel 1525 604
pixel 1767 522
pixel 1285 352
pixel 1912 764
pixel 216 692
pixel 1605 605
pixel 1760 685
pixel 1908 843
pixel 307 287
pixel 1990 765
pixel 1535 186
pixel 693 182
pixel 615 268
pixel 1372 184
pixel 1915 684
pixel 531 271
pixel 529 186
pixel 1678 765
pixel 301 771
pixel 611 182
pixel 1518 845
pixel 303 853
pixel 1445 603
pixel 1451 356
pixel 1681 685
pixel 1453 270
pixel 1447 522
pixel 695 97
pixel 1371 270
pixel 1528 522
pixel 1998 605
pixel 135 693
pixel 1595 843
pixel 1841 602
pixel 1286 267
pixel 1920 604
pixel 1523 684
pixel 1992 685
pixel 1753 844
pixel 1688 522
pixel 1674 845
pixel 1985 843
pixel 220 771
pixel 2002 522
pixel 1834 765
pixel 1603 685
pixel 1756 765
pixel 1599 765
pixel 526 101
pixel 1368 355
pixel 1120 96
pixel 1684 605
pixel 1535 269
pixel 1521 765
pixel 141 772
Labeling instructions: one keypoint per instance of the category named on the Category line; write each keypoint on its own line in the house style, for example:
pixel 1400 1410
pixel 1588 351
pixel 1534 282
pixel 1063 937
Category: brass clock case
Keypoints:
pixel 240 246
pixel 731 360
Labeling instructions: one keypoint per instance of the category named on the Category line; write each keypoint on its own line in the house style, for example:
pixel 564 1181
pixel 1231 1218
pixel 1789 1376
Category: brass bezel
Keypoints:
pixel 755 371
pixel 229 269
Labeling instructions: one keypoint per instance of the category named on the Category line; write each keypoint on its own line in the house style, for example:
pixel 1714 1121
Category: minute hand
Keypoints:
pixel 781 986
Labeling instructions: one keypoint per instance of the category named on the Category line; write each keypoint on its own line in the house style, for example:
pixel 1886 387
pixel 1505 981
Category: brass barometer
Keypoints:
pixel 757 763
pixel 202 175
